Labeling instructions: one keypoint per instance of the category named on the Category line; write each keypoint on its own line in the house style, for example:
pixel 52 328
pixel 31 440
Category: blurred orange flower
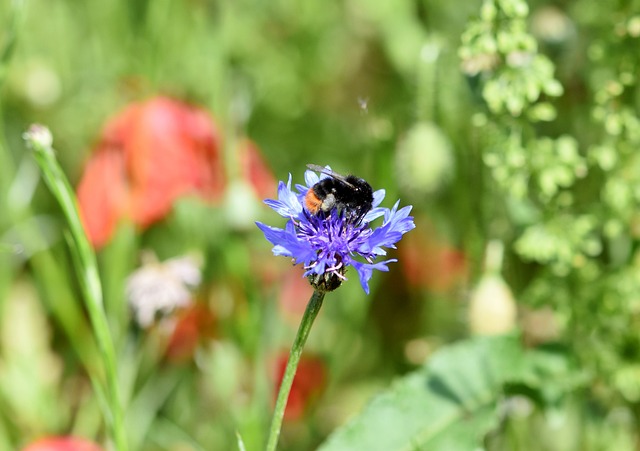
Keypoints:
pixel 62 444
pixel 308 383
pixel 149 154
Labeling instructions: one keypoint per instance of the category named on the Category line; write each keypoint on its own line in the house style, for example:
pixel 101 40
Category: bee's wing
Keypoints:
pixel 330 173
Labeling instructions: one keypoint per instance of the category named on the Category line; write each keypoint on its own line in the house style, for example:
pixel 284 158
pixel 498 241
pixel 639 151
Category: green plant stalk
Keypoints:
pixel 87 268
pixel 310 313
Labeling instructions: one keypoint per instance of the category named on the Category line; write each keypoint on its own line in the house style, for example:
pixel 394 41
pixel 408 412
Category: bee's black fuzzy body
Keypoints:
pixel 350 195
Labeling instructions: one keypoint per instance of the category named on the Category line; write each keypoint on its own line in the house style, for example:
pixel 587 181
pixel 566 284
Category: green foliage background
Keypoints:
pixel 498 120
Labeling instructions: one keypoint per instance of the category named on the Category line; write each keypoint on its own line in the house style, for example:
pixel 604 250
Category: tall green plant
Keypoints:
pixel 39 138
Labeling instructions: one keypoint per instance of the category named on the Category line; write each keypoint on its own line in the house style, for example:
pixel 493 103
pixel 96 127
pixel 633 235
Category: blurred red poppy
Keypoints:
pixel 62 444
pixel 308 383
pixel 149 154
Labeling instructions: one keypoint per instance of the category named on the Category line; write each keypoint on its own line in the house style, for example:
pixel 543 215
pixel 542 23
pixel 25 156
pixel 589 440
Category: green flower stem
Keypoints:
pixel 313 307
pixel 40 140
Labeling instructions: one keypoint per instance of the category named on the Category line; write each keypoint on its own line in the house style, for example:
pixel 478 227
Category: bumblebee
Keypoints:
pixel 350 195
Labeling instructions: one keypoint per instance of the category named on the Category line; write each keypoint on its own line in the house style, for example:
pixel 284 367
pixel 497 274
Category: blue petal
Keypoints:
pixel 376 211
pixel 378 197
pixel 400 219
pixel 302 190
pixel 287 204
pixel 396 224
pixel 365 271
pixel 287 244
pixel 310 178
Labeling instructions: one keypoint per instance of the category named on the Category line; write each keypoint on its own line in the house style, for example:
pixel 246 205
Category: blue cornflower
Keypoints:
pixel 327 243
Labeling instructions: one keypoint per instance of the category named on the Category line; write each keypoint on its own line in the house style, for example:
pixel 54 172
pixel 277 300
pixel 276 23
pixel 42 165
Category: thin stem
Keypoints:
pixel 313 307
pixel 39 138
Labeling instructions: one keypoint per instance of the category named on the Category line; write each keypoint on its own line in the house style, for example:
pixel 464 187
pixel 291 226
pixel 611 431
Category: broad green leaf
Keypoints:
pixel 448 404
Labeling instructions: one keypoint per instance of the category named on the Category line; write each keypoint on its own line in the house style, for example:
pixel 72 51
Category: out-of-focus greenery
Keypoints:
pixel 501 121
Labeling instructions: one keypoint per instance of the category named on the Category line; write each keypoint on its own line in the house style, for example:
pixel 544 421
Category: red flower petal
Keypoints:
pixel 103 194
pixel 150 154
pixel 172 151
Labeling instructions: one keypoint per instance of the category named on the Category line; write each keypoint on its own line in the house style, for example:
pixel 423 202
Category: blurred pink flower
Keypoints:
pixel 149 154
pixel 62 444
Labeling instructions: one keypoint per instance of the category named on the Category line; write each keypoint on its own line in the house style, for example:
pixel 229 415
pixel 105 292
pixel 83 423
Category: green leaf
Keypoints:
pixel 448 404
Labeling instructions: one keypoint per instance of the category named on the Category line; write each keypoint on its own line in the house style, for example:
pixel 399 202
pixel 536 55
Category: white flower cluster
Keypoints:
pixel 160 287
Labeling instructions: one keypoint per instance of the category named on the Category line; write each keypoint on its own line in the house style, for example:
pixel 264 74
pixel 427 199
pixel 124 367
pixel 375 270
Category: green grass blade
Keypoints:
pixel 40 140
